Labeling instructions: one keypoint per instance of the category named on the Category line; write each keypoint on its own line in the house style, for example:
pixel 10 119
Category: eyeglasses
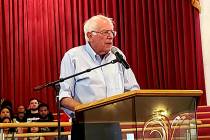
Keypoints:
pixel 106 33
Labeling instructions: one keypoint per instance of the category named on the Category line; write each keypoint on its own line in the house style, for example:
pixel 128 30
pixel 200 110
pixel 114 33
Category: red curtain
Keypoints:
pixel 161 40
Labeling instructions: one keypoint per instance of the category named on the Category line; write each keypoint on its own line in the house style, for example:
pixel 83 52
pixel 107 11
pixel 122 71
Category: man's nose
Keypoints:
pixel 110 36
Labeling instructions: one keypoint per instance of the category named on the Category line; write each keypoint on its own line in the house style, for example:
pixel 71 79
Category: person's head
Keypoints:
pixel 43 110
pixel 99 32
pixel 6 120
pixel 34 129
pixel 5 112
pixel 5 102
pixel 20 112
pixel 33 104
pixel 20 109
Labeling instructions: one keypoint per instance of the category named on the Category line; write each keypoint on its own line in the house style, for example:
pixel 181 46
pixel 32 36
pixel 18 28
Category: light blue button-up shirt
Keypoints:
pixel 97 84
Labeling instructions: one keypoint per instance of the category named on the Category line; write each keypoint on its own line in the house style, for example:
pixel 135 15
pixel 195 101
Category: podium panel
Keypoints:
pixel 166 117
pixel 139 116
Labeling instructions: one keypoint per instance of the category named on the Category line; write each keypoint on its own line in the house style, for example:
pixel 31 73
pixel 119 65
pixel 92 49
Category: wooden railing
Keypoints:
pixel 68 124
pixel 34 124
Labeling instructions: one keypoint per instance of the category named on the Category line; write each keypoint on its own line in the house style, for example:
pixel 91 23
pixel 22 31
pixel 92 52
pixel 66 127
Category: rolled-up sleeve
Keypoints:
pixel 130 80
pixel 67 69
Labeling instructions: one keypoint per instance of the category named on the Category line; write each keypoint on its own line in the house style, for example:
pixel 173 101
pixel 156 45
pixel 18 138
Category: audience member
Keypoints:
pixel 45 116
pixel 21 114
pixel 35 113
pixel 5 102
pixel 6 111
pixel 8 130
pixel 44 113
pixel 34 130
pixel 21 108
pixel 32 112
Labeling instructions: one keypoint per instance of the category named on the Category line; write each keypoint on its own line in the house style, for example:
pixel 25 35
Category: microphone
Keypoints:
pixel 120 57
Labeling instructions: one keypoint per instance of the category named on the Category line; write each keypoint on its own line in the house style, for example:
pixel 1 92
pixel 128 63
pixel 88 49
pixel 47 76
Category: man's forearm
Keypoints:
pixel 69 103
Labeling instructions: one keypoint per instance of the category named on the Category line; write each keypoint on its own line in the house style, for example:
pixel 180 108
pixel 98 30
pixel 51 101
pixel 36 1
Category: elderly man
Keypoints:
pixel 99 83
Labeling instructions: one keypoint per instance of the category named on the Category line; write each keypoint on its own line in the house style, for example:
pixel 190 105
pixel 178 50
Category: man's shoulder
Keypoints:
pixel 75 53
pixel 75 50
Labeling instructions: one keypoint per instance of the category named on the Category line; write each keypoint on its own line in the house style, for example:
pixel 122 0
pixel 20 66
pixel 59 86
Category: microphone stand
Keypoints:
pixel 56 86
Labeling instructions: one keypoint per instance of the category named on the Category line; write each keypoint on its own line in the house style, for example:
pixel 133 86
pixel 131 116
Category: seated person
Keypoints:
pixel 20 115
pixel 8 130
pixel 5 102
pixel 6 111
pixel 32 112
pixel 45 116
pixel 34 130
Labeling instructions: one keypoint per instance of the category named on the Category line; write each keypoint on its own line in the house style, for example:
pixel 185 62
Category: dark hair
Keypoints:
pixel 43 105
pixel 10 110
pixel 5 118
pixel 10 129
pixel 33 99
pixel 29 128
pixel 5 102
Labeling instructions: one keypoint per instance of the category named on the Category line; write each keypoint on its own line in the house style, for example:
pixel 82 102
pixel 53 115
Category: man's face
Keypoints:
pixel 43 111
pixel 34 104
pixel 21 108
pixel 101 40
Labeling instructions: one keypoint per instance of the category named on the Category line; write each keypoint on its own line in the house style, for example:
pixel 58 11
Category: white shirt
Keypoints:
pixel 97 84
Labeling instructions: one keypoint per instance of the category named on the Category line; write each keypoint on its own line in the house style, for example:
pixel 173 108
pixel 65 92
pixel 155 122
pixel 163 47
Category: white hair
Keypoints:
pixel 92 24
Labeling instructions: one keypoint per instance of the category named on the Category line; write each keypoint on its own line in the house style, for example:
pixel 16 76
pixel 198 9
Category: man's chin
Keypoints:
pixel 108 48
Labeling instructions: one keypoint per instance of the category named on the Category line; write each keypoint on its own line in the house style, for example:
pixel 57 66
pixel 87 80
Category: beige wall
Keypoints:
pixel 205 35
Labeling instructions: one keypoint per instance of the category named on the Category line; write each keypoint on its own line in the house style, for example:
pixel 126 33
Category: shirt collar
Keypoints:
pixel 92 53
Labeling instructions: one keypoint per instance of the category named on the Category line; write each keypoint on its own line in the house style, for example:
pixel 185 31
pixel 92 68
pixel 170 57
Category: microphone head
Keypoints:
pixel 114 50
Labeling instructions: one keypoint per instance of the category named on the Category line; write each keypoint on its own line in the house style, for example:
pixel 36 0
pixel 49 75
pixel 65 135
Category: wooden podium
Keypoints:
pixel 140 114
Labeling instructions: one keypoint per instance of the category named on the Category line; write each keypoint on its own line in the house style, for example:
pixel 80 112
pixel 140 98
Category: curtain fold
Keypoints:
pixel 161 40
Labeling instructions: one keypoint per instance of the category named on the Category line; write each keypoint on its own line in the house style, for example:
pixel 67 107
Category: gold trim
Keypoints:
pixel 196 4
pixel 34 124
pixel 37 134
pixel 133 93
